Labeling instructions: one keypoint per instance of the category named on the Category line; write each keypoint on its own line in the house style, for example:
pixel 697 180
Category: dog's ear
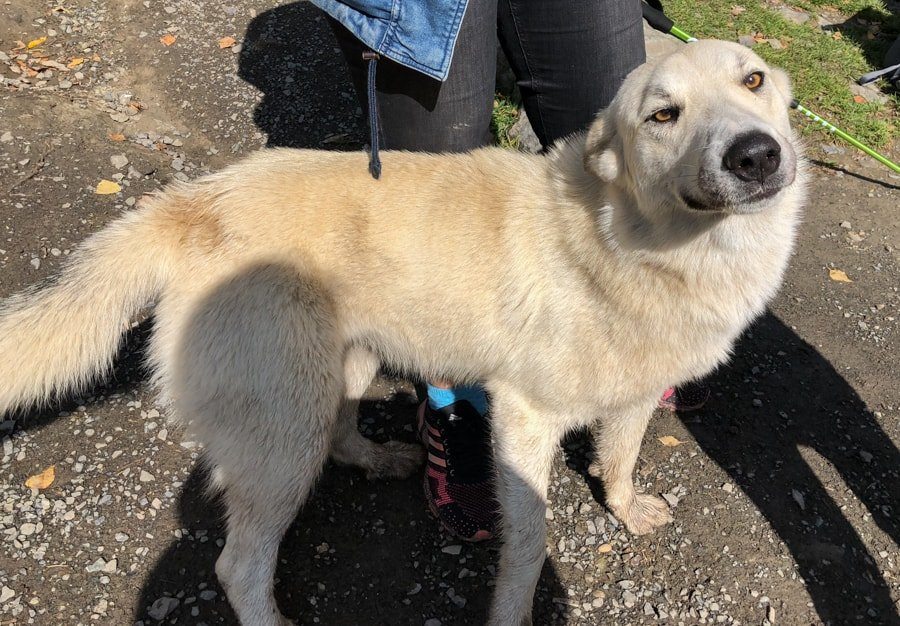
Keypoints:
pixel 601 153
pixel 782 84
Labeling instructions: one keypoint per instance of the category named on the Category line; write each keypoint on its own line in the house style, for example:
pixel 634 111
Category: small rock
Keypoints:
pixel 629 599
pixel 96 566
pixel 36 263
pixel 865 456
pixel 433 622
pixel 793 15
pixel 27 529
pixel 799 499
pixel 648 609
pixel 146 477
pixel 118 161
pixel 454 549
pixel 846 224
pixel 208 594
pixel 162 607
pixel 6 137
pixel 747 40
pixel 727 487
pixel 119 117
pixel 671 498
pixel 6 594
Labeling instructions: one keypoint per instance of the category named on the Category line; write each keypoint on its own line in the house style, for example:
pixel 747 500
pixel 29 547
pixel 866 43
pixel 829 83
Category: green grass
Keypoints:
pixel 821 65
pixel 505 114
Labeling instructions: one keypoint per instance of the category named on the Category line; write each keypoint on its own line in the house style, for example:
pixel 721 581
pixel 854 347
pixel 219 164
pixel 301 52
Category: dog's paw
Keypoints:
pixel 644 514
pixel 396 460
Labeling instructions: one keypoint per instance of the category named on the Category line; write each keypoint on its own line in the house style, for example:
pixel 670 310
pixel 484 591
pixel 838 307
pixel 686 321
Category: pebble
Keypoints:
pixel 146 477
pixel 433 622
pixel 6 594
pixel 118 161
pixel 454 549
pixel 6 137
pixel 162 607
pixel 27 529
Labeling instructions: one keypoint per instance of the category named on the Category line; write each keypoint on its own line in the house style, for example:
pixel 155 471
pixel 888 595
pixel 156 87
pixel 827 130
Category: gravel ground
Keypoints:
pixel 785 486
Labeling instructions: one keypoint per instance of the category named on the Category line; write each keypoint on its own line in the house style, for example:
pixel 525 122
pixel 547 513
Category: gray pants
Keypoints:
pixel 569 58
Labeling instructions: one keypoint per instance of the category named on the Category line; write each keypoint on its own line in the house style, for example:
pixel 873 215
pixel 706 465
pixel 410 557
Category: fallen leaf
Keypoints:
pixel 106 187
pixel 34 43
pixel 116 137
pixel 604 548
pixel 42 480
pixel 837 35
pixel 226 42
pixel 96 57
pixel 75 63
pixel 670 441
pixel 168 40
pixel 737 9
pixel 859 100
pixel 839 276
pixel 54 64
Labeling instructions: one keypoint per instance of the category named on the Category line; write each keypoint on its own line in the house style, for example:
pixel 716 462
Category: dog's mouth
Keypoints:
pixel 719 204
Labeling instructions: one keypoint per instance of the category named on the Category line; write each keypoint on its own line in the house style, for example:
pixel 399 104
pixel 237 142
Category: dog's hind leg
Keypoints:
pixel 618 442
pixel 258 380
pixel 393 459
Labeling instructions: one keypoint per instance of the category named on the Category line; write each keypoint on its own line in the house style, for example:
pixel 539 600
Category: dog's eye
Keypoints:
pixel 753 81
pixel 662 116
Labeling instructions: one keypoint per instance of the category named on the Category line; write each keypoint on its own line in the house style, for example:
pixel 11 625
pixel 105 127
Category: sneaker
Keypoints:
pixel 458 480
pixel 688 397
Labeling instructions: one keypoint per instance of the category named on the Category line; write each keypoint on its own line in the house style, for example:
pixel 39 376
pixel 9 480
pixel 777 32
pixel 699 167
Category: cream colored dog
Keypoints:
pixel 576 286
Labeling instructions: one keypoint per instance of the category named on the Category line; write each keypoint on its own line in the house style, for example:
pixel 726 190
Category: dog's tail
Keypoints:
pixel 58 336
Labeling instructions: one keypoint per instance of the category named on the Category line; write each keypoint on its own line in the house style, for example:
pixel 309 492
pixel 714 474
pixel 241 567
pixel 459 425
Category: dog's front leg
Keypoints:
pixel 525 442
pixel 618 441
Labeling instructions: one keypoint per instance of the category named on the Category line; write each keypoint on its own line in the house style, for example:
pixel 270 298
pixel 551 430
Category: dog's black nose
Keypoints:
pixel 754 156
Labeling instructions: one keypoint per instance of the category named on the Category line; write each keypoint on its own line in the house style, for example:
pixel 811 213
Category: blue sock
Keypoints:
pixel 439 398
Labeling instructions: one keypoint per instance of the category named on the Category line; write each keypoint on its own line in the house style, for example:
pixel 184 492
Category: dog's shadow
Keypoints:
pixel 808 410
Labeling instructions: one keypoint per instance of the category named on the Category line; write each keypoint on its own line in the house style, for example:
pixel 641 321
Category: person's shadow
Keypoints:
pixel 808 410
pixel 290 55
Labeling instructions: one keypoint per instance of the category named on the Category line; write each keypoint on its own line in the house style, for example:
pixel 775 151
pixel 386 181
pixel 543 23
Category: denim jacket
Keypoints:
pixel 416 33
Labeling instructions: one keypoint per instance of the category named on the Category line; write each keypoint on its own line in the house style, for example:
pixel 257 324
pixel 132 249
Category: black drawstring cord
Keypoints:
pixel 374 159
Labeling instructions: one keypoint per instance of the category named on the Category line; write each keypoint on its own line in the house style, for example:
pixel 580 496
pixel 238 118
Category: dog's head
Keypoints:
pixel 703 130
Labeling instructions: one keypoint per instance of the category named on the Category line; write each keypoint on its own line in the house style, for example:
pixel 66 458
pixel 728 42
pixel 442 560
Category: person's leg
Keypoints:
pixel 569 57
pixel 421 114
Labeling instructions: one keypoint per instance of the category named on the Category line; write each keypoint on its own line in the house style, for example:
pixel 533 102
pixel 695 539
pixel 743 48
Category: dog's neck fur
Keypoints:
pixel 700 279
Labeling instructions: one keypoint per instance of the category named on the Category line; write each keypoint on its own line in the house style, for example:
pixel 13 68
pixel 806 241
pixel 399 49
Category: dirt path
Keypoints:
pixel 786 487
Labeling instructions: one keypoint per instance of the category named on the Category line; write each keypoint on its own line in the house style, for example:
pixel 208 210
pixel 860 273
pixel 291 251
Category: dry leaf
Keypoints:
pixel 168 40
pixel 604 548
pixel 75 63
pixel 34 43
pixel 226 42
pixel 106 187
pixel 42 480
pixel 859 100
pixel 96 57
pixel 837 35
pixel 116 137
pixel 670 441
pixel 737 9
pixel 839 276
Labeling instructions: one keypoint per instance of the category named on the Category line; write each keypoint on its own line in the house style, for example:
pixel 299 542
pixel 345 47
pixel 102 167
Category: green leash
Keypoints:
pixel 658 20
